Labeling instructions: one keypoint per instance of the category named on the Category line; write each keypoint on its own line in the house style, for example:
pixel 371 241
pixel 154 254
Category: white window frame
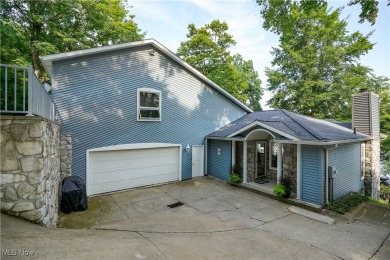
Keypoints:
pixel 148 90
pixel 270 155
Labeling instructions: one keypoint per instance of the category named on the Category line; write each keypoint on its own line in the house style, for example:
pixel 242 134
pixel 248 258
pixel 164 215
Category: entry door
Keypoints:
pixel 261 159
pixel 197 160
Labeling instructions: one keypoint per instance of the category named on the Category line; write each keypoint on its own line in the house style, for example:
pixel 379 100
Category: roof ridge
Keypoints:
pixel 307 130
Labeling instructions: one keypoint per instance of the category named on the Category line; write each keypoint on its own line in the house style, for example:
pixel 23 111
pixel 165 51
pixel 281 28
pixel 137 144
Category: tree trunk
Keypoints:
pixel 35 28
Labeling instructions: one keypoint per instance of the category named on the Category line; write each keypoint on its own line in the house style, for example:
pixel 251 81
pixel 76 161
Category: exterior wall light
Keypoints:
pixel 188 148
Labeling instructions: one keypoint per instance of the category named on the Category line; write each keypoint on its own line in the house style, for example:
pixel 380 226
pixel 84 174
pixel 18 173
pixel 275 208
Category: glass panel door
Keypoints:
pixel 260 159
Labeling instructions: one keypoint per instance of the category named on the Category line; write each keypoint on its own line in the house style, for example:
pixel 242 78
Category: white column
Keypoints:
pixel 245 163
pixel 299 171
pixel 233 153
pixel 279 163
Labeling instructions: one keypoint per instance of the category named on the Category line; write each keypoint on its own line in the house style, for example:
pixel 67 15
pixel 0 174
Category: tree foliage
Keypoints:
pixel 317 60
pixel 33 28
pixel 369 10
pixel 207 50
pixel 316 67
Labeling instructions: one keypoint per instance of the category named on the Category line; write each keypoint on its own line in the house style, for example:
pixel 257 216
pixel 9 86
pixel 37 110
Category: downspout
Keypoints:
pixel 327 173
pixel 206 173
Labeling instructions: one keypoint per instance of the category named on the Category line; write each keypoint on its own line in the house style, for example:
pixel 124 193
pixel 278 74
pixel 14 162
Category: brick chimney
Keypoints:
pixel 365 119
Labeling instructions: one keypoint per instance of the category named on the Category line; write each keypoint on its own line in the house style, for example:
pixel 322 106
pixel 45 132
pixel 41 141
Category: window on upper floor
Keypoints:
pixel 148 104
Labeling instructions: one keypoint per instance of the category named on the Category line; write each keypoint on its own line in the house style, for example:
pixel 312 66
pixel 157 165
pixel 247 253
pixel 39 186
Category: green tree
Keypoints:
pixel 316 67
pixel 385 123
pixel 369 10
pixel 207 50
pixel 33 28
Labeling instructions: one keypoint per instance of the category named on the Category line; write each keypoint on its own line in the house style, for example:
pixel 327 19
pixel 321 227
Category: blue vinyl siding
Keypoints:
pixel 313 163
pixel 346 160
pixel 96 96
pixel 219 166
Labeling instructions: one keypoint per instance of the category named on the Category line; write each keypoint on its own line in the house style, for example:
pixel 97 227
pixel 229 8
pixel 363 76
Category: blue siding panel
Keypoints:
pixel 96 96
pixel 313 178
pixel 346 160
pixel 219 166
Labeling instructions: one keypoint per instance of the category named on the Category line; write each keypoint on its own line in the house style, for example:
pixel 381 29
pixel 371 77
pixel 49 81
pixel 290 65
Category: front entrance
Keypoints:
pixel 261 159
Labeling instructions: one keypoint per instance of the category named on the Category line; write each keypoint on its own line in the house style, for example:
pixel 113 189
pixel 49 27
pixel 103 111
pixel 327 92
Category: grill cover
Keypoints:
pixel 74 196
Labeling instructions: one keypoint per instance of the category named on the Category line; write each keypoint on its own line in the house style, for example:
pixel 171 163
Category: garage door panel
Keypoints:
pixel 117 170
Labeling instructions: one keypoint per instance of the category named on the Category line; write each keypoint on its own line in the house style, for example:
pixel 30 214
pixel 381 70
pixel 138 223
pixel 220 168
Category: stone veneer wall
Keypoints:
pixel 290 164
pixel 65 155
pixel 372 163
pixel 251 155
pixel 30 168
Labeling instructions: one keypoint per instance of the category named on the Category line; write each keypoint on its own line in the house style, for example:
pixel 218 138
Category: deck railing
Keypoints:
pixel 21 92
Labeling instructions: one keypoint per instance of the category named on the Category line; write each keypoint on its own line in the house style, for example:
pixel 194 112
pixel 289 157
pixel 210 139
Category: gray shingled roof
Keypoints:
pixel 303 127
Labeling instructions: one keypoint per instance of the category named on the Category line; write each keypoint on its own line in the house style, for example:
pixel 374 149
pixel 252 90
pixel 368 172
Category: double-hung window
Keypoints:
pixel 148 104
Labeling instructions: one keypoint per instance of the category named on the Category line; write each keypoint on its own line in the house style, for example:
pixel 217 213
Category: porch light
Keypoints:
pixel 188 148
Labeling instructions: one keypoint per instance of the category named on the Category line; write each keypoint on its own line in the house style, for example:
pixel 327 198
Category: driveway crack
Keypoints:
pixel 139 233
pixel 381 245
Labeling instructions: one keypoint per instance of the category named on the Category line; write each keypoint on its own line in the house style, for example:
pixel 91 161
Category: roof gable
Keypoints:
pixel 48 60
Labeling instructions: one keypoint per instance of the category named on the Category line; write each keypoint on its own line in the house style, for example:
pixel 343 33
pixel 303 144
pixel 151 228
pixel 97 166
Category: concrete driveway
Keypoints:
pixel 216 221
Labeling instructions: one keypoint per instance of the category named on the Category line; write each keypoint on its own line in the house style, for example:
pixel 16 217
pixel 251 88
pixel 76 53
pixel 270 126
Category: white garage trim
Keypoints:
pixel 136 146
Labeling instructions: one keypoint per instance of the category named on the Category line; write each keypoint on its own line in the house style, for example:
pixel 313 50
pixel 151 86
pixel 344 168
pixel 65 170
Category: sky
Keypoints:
pixel 167 21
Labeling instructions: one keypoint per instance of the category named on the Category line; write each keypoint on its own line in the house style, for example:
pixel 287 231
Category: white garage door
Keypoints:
pixel 128 166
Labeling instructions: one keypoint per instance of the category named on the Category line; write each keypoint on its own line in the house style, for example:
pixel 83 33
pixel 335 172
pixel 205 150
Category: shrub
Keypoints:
pixel 345 203
pixel 235 178
pixel 279 190
pixel 385 192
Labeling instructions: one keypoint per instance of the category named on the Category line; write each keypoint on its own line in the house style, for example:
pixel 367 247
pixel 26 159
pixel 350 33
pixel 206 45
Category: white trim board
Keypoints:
pixel 267 127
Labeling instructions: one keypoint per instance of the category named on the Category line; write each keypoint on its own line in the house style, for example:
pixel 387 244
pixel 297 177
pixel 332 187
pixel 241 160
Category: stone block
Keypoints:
pixel 8 157
pixel 27 164
pixel 19 132
pixel 38 164
pixel 4 137
pixel 6 178
pixel 29 148
pixel 19 178
pixel 36 129
pixel 23 206
pixel 5 122
pixel 6 205
pixel 34 177
pixel 63 167
pixel 32 215
pixel 41 188
pixel 287 159
pixel 24 190
pixel 38 203
pixel 10 193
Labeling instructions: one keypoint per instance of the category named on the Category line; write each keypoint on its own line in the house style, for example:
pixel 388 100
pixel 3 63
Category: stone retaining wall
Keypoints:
pixel 30 168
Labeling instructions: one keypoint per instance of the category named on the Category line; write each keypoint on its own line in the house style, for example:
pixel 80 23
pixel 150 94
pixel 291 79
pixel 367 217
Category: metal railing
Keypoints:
pixel 21 92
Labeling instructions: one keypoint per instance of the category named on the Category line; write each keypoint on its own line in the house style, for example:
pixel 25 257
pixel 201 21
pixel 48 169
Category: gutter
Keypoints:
pixel 347 141
pixel 327 172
